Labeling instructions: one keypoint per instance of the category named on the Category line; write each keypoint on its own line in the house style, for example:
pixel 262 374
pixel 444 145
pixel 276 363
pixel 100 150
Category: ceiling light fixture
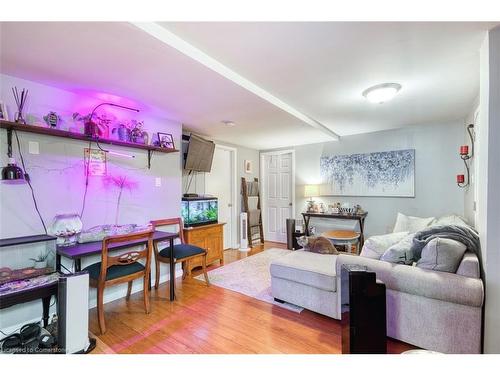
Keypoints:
pixel 229 123
pixel 382 93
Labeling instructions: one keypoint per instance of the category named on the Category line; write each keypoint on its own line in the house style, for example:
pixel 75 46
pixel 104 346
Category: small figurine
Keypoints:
pixel 358 210
pixel 52 119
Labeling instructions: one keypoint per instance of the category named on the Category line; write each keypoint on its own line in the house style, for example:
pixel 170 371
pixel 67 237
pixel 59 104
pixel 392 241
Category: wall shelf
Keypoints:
pixel 82 137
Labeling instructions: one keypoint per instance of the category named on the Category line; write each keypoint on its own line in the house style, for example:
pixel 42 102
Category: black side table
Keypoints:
pixel 43 292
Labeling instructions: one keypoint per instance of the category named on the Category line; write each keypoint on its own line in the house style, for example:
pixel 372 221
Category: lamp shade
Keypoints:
pixel 12 173
pixel 311 191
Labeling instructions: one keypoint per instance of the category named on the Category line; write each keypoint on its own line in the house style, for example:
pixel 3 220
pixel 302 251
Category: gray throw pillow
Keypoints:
pixel 400 252
pixel 442 254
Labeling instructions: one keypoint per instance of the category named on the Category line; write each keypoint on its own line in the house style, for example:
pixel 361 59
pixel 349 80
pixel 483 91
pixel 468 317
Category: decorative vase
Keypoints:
pixel 66 228
pixel 123 133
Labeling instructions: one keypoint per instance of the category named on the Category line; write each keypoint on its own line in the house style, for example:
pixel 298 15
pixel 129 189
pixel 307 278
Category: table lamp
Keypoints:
pixel 311 191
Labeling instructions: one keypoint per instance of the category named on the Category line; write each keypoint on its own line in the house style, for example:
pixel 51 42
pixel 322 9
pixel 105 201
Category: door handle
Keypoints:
pixel 290 204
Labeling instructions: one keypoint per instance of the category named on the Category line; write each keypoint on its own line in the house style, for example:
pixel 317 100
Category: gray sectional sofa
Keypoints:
pixel 433 310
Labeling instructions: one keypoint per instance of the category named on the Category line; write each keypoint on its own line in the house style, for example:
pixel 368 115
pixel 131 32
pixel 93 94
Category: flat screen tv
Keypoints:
pixel 200 154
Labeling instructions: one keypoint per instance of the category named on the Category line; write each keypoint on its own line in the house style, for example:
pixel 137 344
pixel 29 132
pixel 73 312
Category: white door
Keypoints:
pixel 219 183
pixel 278 188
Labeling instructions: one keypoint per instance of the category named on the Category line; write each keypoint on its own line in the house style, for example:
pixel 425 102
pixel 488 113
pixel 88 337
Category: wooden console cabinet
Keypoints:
pixel 208 237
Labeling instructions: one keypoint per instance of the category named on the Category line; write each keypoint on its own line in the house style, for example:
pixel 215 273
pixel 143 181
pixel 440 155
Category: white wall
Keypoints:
pixel 436 166
pixel 57 175
pixel 489 185
pixel 470 191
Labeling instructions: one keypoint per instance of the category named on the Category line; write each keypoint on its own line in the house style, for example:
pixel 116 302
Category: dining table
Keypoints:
pixel 82 250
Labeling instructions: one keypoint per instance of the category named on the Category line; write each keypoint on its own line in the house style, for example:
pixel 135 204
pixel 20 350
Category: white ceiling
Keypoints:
pixel 318 68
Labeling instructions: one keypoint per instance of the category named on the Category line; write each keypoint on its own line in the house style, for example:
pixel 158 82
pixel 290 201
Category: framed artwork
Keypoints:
pixel 377 174
pixel 248 166
pixel 3 112
pixel 165 140
pixel 95 161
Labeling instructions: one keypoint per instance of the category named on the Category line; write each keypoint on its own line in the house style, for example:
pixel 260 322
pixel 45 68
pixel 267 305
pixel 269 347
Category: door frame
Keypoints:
pixel 263 181
pixel 234 193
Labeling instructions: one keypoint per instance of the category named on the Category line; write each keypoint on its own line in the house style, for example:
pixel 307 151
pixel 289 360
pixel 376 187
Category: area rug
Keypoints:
pixel 250 276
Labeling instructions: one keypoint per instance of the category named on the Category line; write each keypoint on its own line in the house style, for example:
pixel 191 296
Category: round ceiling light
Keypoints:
pixel 381 93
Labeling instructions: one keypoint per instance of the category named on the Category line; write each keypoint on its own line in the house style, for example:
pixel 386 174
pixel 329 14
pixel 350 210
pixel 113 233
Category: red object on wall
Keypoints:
pixel 464 150
pixel 460 178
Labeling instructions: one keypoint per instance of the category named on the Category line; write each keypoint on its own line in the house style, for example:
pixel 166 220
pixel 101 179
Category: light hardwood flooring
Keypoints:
pixel 215 320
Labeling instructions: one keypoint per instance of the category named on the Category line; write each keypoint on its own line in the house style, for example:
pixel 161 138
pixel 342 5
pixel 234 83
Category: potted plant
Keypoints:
pixel 41 260
pixel 137 132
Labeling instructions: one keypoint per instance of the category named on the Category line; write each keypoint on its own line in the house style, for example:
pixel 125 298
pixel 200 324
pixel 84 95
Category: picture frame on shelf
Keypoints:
pixel 165 140
pixel 4 115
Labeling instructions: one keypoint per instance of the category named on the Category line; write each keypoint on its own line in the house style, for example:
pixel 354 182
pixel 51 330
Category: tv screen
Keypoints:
pixel 200 154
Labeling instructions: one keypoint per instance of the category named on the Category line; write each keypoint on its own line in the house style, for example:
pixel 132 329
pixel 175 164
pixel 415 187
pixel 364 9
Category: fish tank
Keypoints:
pixel 26 262
pixel 199 211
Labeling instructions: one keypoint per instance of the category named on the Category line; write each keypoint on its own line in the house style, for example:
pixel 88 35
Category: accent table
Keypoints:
pixel 360 218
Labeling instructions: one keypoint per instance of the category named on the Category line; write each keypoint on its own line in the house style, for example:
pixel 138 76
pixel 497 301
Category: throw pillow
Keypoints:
pixel 320 245
pixel 400 252
pixel 442 254
pixel 411 224
pixel 451 220
pixel 375 246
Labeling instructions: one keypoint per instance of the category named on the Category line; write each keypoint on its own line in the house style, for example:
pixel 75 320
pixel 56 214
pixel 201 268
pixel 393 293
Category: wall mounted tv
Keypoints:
pixel 199 155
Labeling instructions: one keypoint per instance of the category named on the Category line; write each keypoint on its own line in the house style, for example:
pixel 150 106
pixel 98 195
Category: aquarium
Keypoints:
pixel 199 211
pixel 26 262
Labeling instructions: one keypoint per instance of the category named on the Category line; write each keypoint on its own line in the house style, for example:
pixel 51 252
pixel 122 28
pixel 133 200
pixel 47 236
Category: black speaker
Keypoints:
pixel 363 311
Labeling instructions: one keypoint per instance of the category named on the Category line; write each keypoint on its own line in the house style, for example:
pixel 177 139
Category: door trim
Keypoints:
pixel 263 181
pixel 234 193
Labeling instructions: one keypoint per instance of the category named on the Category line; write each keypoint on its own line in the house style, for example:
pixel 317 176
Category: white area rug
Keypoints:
pixel 250 276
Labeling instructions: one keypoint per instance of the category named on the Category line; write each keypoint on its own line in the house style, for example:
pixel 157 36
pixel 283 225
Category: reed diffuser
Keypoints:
pixel 20 98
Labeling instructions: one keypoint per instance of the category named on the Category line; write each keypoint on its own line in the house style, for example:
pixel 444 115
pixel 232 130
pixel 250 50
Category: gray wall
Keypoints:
pixel 242 154
pixel 437 164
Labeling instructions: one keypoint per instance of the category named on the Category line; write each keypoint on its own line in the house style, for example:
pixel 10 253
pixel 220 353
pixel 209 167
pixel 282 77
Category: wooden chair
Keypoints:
pixel 112 270
pixel 183 252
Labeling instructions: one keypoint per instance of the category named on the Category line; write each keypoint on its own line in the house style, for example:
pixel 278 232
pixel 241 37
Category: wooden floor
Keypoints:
pixel 215 320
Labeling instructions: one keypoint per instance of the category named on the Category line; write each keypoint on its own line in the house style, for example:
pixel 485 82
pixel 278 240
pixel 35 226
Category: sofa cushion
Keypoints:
pixel 316 270
pixel 426 283
pixel 411 224
pixel 451 220
pixel 442 254
pixel 400 252
pixel 375 246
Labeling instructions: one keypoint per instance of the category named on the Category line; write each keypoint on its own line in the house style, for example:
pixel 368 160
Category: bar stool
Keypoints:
pixel 343 238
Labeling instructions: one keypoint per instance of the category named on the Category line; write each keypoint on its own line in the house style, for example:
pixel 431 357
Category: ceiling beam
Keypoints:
pixel 169 38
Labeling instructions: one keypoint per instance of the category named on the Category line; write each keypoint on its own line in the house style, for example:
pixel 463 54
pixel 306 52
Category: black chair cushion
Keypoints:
pixel 182 251
pixel 114 271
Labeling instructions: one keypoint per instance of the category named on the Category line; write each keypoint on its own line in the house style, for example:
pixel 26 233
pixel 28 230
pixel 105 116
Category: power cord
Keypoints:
pixel 27 177
pixel 87 166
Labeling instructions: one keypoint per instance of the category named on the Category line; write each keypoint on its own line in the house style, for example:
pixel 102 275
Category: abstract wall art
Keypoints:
pixel 377 174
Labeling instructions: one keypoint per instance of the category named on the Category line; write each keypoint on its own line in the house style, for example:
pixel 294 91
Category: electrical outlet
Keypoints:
pixel 33 148
pixel 158 181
